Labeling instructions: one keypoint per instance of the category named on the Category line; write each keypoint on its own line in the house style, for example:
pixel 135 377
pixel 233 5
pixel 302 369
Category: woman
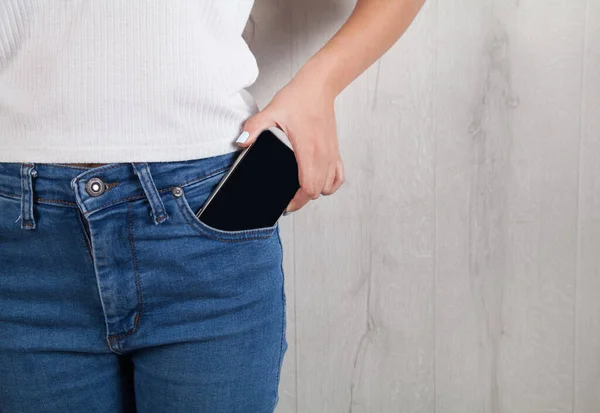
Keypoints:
pixel 117 120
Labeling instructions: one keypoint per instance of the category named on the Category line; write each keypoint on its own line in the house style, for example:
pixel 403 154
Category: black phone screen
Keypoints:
pixel 258 190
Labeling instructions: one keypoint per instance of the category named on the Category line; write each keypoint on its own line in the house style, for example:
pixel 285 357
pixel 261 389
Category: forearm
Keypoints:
pixel 373 27
pixel 304 109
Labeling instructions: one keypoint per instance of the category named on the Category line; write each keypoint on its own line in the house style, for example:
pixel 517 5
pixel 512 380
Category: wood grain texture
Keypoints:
pixel 506 202
pixel 537 366
pixel 472 140
pixel 394 132
pixel 458 269
pixel 587 338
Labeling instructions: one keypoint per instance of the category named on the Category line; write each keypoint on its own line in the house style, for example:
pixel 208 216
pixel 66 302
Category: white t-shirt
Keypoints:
pixel 122 81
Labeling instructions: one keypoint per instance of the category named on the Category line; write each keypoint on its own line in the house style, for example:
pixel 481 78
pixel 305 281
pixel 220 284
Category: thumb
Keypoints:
pixel 253 127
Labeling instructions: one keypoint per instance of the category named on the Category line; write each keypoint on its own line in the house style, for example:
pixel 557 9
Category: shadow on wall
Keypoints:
pixel 283 34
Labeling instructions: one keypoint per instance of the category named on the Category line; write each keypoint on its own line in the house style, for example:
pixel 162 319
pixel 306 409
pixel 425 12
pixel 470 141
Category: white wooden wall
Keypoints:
pixel 458 270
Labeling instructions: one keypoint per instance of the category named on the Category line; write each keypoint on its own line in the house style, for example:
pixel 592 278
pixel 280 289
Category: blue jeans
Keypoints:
pixel 114 297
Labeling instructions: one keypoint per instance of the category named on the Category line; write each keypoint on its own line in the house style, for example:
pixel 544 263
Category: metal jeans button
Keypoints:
pixel 95 187
pixel 177 191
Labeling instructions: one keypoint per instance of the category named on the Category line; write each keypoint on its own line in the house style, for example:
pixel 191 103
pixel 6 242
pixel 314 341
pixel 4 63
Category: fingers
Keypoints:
pixel 340 177
pixel 334 181
pixel 327 182
pixel 298 202
pixel 313 166
pixel 335 178
pixel 310 185
pixel 253 127
pixel 320 168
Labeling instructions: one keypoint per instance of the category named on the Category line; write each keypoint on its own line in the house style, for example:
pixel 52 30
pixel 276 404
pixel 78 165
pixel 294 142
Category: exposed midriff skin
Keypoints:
pixel 86 165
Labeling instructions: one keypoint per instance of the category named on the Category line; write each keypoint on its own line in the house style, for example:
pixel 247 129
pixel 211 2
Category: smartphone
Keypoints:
pixel 258 187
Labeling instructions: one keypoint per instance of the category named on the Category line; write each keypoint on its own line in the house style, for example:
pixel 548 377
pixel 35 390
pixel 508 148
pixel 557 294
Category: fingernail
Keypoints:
pixel 243 137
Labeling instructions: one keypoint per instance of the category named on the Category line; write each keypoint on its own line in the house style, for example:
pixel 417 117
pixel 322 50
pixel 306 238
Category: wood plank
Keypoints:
pixel 393 365
pixel 468 204
pixel 587 355
pixel 536 358
pixel 506 183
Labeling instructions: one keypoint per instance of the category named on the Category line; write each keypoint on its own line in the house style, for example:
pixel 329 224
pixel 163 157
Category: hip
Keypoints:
pixel 125 258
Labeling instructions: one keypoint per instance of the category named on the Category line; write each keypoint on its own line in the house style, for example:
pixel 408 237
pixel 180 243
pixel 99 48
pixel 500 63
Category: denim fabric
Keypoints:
pixel 126 302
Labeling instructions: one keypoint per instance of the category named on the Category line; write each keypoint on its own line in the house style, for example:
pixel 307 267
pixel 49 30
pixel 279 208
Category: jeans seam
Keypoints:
pixel 9 195
pixel 282 340
pixel 57 201
pixel 85 235
pixel 138 286
pixel 57 165
pixel 283 317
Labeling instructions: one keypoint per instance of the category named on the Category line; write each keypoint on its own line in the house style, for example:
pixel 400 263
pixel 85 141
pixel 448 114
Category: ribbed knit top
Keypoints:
pixel 122 80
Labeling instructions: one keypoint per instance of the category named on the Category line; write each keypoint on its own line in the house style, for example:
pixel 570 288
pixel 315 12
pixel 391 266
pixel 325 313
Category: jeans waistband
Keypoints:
pixel 92 189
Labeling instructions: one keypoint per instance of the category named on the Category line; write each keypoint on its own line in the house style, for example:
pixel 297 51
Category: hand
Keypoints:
pixel 307 117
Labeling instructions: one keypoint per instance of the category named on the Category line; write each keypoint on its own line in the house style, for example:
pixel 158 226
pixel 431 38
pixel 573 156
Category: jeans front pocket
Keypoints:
pixel 194 195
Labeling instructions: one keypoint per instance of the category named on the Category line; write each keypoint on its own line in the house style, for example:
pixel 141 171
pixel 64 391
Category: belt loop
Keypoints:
pixel 27 175
pixel 142 170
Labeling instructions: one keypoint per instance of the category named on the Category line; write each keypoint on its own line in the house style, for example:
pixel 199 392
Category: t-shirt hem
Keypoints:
pixel 116 154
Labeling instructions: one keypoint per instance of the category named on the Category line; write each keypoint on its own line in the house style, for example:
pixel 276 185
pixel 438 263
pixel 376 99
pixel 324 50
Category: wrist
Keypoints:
pixel 318 75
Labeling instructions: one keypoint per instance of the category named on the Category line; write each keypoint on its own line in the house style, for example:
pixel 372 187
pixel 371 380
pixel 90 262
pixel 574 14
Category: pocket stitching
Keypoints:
pixel 7 195
pixel 198 226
